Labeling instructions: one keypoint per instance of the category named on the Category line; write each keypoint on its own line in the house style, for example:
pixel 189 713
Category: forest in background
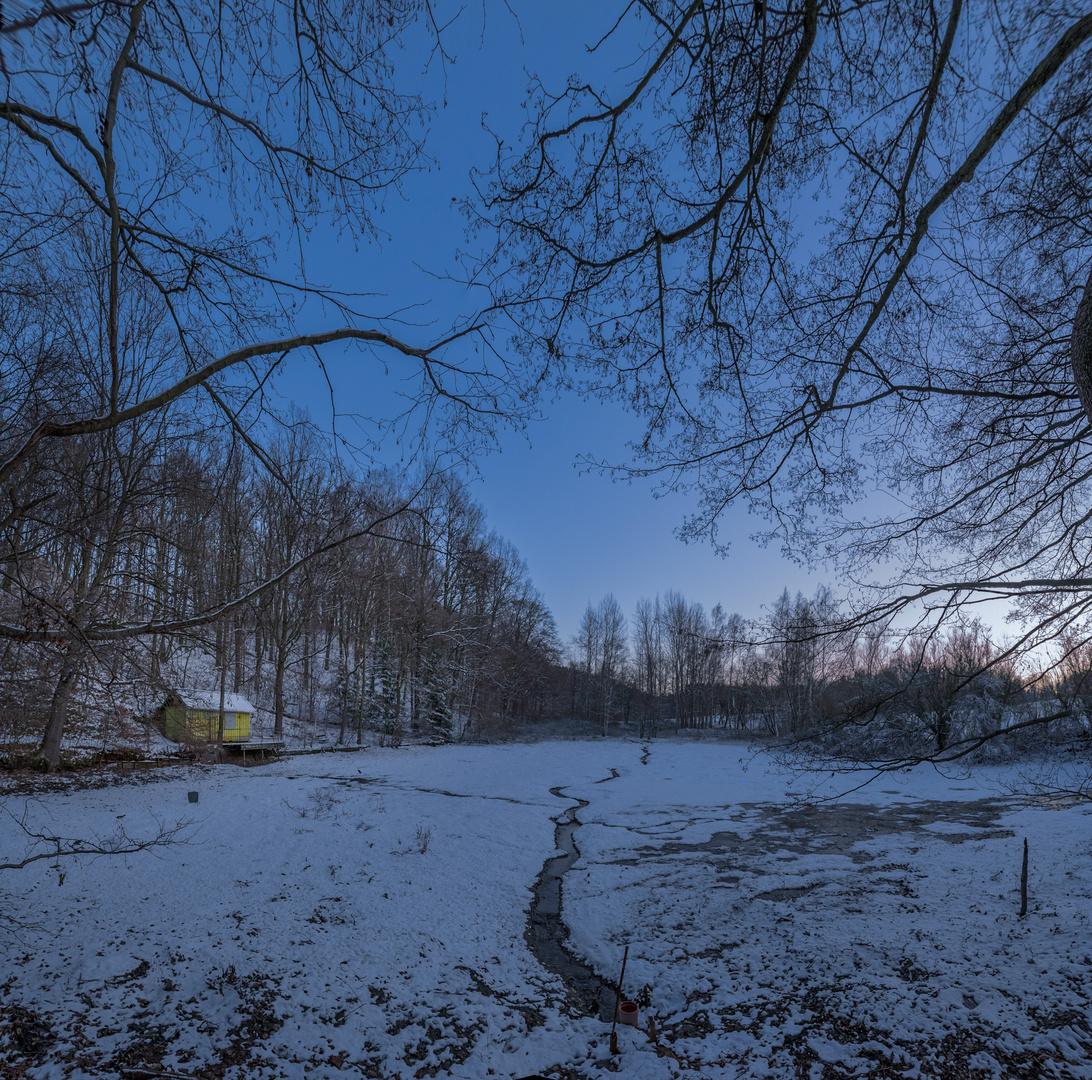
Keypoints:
pixel 365 601
pixel 348 603
pixel 807 674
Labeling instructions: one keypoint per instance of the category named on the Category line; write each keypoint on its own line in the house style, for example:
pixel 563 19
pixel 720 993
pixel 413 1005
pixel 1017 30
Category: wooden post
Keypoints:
pixel 1024 882
pixel 617 1002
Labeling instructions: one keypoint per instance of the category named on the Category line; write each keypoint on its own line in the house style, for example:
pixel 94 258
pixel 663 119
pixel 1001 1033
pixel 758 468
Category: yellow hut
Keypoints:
pixel 190 715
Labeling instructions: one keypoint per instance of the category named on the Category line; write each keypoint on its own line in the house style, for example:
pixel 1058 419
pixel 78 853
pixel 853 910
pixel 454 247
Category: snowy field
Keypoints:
pixel 365 915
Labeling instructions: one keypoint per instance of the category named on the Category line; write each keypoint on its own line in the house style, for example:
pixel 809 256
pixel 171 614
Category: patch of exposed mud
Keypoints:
pixel 838 829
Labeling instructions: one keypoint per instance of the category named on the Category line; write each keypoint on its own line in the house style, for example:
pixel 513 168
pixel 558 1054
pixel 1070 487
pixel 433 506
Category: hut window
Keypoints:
pixel 229 720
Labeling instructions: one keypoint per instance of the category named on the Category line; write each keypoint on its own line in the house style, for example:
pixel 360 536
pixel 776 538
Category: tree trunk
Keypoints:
pixel 259 659
pixel 50 749
pixel 223 696
pixel 240 653
pixel 305 667
pixel 943 729
pixel 1080 349
pixel 363 659
pixel 278 694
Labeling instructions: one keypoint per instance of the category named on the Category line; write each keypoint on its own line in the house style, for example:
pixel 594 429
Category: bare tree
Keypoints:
pixel 293 519
pixel 600 650
pixel 158 163
pixel 648 661
pixel 612 660
pixel 827 251
pixel 588 651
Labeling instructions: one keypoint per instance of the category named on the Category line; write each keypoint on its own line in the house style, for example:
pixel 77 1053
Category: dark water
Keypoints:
pixel 547 935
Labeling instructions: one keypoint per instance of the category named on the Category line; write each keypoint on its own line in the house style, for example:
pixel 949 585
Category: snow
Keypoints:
pixel 364 914
pixel 209 700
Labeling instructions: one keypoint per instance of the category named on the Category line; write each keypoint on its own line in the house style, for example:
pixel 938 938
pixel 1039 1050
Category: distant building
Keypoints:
pixel 190 715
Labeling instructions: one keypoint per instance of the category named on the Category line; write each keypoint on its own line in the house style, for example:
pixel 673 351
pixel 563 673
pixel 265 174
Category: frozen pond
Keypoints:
pixel 368 914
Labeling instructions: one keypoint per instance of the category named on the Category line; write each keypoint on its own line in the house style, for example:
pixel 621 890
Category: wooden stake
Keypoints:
pixel 1024 882
pixel 617 1002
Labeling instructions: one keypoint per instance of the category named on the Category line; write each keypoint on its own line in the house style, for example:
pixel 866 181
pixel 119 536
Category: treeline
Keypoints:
pixel 673 663
pixel 806 670
pixel 160 559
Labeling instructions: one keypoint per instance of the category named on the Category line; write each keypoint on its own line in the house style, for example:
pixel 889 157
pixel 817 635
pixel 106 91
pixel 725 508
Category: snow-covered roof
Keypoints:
pixel 209 700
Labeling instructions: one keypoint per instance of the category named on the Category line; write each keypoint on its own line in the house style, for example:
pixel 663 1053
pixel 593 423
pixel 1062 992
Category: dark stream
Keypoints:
pixel 547 935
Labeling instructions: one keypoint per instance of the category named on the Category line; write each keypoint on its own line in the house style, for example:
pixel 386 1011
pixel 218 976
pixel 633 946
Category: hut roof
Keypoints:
pixel 209 701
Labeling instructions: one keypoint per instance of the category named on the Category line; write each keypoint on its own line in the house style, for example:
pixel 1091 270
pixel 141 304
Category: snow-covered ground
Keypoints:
pixel 364 914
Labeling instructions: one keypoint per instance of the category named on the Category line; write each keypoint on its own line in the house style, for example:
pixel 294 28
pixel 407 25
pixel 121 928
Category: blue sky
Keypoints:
pixel 581 534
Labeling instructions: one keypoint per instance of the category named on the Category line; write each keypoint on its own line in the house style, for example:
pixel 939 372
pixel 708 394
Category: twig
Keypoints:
pixel 617 1002
pixel 1024 882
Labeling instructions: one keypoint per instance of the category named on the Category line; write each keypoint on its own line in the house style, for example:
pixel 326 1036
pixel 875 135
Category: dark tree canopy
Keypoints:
pixel 163 164
pixel 833 253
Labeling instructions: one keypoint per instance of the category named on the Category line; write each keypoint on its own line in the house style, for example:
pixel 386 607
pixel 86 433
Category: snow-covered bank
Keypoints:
pixel 364 914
